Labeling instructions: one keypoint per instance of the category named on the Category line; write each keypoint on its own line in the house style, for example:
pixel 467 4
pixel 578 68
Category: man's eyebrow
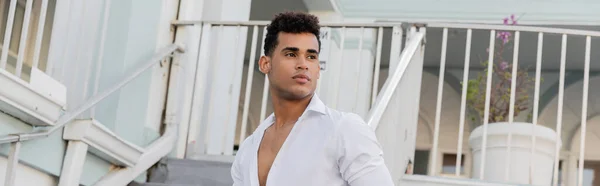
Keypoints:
pixel 312 51
pixel 295 49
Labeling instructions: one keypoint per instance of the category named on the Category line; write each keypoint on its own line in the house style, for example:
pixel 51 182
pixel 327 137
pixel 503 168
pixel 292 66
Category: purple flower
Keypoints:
pixel 512 19
pixel 504 65
pixel 505 36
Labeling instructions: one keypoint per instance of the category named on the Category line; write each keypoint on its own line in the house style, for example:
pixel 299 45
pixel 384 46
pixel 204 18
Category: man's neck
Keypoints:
pixel 287 112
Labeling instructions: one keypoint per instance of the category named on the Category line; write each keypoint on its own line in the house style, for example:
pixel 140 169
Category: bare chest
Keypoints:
pixel 269 147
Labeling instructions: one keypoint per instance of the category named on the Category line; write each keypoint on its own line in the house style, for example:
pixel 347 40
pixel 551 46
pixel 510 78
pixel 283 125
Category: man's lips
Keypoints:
pixel 301 78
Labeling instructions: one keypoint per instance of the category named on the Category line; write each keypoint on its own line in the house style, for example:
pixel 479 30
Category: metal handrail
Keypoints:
pixel 383 99
pixel 70 115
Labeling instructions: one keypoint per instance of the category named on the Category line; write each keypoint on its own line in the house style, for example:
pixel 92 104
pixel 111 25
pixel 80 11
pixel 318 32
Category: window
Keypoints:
pixel 421 162
pixel 449 164
pixel 591 173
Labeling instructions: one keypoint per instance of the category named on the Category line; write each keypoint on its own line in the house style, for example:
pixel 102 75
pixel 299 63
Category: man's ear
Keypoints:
pixel 264 64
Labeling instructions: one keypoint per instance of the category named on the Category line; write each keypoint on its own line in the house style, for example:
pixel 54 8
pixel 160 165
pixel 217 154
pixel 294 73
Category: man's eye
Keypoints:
pixel 290 55
pixel 312 57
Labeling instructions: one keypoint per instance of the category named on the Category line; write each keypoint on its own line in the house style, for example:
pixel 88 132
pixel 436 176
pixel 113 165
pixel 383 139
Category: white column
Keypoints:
pixel 569 170
pixel 73 163
pixel 188 36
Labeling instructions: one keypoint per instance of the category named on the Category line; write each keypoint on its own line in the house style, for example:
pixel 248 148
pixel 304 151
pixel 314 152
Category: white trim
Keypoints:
pixel 103 142
pixel 22 100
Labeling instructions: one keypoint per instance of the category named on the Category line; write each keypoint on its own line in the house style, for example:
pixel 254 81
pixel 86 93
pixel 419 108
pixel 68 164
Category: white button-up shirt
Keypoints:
pixel 324 148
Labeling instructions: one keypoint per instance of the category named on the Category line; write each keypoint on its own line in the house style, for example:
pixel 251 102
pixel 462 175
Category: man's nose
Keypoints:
pixel 302 64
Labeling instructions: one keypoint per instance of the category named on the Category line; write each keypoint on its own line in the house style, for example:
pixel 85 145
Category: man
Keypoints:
pixel 305 143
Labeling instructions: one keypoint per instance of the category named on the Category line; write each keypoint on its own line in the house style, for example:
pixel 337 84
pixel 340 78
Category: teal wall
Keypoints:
pixel 131 39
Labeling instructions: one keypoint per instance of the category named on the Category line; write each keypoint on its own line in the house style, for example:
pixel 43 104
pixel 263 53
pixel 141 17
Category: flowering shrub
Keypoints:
pixel 501 83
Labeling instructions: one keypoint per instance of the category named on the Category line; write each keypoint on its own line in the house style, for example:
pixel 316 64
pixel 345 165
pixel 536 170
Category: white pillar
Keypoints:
pixel 569 170
pixel 73 163
pixel 188 36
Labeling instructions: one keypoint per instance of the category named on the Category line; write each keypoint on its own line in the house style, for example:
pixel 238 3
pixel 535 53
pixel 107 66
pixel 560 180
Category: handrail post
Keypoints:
pixel 13 162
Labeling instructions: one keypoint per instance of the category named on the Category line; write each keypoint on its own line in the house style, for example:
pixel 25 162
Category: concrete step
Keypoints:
pixel 161 184
pixel 185 172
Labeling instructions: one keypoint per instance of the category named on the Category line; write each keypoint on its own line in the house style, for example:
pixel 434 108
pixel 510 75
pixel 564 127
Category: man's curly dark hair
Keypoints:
pixel 290 22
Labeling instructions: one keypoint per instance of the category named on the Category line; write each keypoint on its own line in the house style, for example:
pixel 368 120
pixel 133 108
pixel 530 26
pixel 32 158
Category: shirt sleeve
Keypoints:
pixel 360 158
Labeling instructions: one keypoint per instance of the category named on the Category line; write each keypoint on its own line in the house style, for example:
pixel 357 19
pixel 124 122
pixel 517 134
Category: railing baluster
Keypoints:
pixel 358 64
pixel 536 101
pixel 438 108
pixel 377 65
pixel 395 48
pixel 40 34
pixel 249 84
pixel 263 105
pixel 586 81
pixel 228 150
pixel 561 91
pixel 23 38
pixel 217 55
pixel 488 91
pixel 463 103
pixel 8 34
pixel 100 52
pixel 338 72
pixel 13 163
pixel 511 111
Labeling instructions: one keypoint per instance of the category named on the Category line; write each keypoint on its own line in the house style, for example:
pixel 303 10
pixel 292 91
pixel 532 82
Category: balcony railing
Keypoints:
pixel 497 160
pixel 26 30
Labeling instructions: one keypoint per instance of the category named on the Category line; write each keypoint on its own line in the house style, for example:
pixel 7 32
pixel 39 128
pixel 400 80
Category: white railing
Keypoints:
pixel 24 55
pixel 212 137
pixel 517 32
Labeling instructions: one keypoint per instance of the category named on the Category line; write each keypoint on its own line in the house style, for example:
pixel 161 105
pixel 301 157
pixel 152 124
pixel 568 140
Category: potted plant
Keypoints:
pixel 499 130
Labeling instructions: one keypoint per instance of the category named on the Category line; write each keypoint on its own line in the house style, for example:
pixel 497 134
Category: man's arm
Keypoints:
pixel 236 166
pixel 359 154
pixel 236 173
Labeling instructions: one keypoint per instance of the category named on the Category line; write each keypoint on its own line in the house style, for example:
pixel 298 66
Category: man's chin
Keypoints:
pixel 297 95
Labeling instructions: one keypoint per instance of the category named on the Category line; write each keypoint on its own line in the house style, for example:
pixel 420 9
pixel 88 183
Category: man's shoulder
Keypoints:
pixel 341 118
pixel 347 123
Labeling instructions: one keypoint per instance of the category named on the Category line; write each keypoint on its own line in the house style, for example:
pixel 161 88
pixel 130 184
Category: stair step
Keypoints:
pixel 164 184
pixel 191 172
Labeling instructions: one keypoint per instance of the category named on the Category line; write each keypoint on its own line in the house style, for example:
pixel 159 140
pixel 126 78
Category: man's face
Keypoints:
pixel 293 67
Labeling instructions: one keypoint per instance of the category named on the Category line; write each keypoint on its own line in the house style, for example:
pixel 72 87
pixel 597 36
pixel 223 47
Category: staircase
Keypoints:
pixel 185 172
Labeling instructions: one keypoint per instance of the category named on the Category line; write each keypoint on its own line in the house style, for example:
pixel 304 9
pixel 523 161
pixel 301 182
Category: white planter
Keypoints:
pixel 497 157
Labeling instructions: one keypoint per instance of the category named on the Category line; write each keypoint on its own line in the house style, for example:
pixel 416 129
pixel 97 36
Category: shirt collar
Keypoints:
pixel 315 105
